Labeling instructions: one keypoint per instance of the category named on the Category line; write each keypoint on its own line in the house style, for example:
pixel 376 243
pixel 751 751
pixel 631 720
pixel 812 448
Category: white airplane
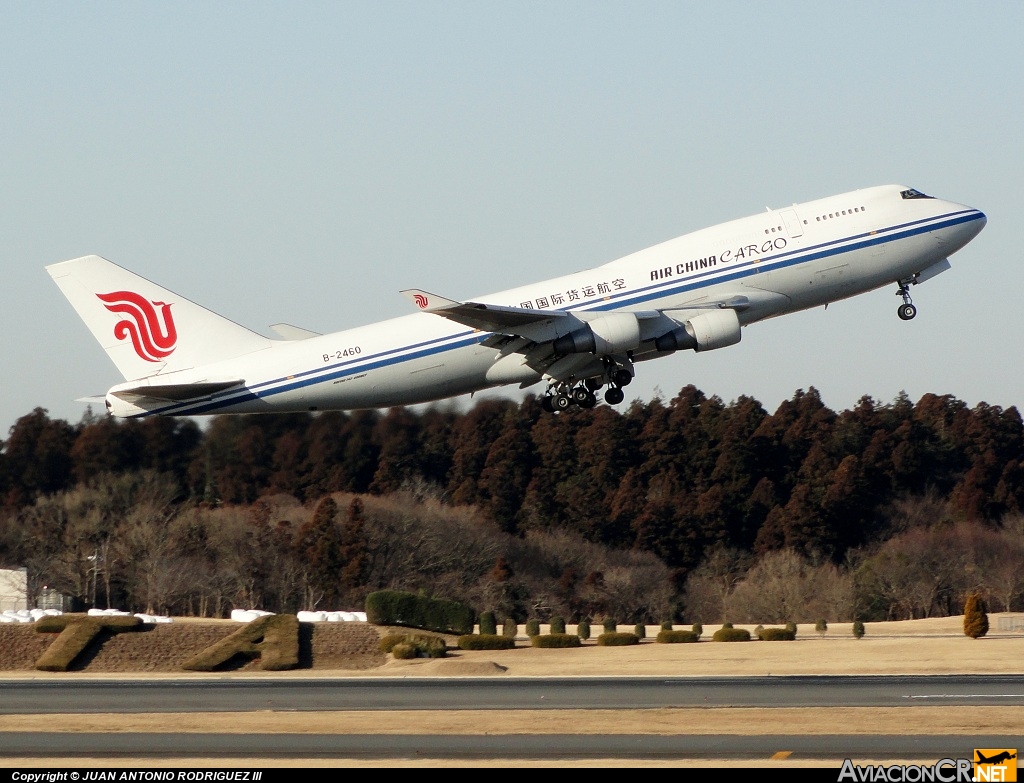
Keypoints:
pixel 578 333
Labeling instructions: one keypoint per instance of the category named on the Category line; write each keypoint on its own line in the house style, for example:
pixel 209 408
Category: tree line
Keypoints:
pixel 688 506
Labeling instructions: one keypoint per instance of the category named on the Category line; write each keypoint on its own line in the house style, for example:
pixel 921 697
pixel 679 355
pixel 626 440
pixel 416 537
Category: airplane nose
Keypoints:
pixel 972 221
pixel 978 223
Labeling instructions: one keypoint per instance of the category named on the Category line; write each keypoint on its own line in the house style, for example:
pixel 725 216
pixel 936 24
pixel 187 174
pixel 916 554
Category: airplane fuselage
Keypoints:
pixel 773 263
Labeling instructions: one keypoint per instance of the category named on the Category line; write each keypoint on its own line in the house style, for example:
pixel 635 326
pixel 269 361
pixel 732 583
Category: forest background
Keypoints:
pixel 690 510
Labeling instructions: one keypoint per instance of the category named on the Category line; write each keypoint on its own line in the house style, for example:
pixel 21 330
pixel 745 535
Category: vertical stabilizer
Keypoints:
pixel 146 329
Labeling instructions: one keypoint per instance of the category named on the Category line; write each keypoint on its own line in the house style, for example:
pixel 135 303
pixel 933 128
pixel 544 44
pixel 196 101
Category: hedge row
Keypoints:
pixel 676 637
pixel 731 635
pixel 553 640
pixel 486 641
pixel 617 639
pixel 776 635
pixel 394 607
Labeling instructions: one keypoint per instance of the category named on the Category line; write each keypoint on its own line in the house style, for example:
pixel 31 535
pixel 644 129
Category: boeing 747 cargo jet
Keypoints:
pixel 577 334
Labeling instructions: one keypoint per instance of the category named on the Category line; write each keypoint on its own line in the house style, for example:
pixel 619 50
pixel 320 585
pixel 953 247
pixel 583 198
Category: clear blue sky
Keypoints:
pixel 302 162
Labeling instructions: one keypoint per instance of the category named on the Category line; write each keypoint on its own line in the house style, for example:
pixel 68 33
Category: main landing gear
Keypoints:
pixel 906 311
pixel 563 395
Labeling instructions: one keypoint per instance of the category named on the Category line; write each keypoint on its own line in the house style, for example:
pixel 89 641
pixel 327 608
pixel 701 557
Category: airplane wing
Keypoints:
pixel 289 332
pixel 485 317
pixel 560 344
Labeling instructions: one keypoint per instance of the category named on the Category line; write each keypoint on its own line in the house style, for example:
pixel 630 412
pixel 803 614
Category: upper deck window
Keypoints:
pixel 913 194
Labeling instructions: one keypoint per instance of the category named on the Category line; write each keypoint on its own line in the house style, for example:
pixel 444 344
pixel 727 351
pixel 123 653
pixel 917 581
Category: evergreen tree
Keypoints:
pixel 319 546
pixel 975 617
pixel 354 548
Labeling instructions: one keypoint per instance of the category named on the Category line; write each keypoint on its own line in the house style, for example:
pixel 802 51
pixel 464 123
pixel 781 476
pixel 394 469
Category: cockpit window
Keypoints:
pixel 913 194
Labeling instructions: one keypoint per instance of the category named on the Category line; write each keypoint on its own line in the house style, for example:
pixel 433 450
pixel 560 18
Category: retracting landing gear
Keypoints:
pixel 562 396
pixel 617 378
pixel 906 311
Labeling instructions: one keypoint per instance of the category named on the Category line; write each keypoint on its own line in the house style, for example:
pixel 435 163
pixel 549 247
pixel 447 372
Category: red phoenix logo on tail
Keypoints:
pixel 421 300
pixel 152 332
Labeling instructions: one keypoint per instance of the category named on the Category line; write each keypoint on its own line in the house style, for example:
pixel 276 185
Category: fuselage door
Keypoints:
pixel 793 225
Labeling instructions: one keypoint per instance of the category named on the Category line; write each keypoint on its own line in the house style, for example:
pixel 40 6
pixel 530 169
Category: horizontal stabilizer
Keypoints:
pixel 486 317
pixel 95 399
pixel 174 392
pixel 289 332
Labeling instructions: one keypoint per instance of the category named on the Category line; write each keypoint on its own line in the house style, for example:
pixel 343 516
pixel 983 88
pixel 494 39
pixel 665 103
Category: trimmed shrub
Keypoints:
pixel 698 629
pixel 615 639
pixel 676 637
pixel 583 630
pixel 76 631
pixel 975 617
pixel 555 640
pixel 510 628
pixel 821 627
pixel 532 627
pixel 387 643
pixel 757 631
pixel 557 625
pixel 775 635
pixel 791 627
pixel 727 625
pixel 488 624
pixel 394 607
pixel 610 625
pixel 858 629
pixel 485 641
pixel 273 638
pixel 640 631
pixel 423 645
pixel 666 625
pixel 732 635
pixel 403 651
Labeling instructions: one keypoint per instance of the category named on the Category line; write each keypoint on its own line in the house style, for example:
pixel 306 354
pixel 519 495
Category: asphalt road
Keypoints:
pixel 503 693
pixel 481 747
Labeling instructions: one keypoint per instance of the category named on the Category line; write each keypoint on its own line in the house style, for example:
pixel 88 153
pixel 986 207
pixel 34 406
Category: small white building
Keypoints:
pixel 13 589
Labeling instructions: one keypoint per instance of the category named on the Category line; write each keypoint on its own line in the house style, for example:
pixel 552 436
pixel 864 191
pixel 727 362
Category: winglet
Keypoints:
pixel 427 301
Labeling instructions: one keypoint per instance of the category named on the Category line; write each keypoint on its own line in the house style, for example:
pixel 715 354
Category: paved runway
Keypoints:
pixel 497 693
pixel 502 693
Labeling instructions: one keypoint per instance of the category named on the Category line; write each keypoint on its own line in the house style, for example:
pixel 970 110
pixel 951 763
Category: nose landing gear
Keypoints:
pixel 905 311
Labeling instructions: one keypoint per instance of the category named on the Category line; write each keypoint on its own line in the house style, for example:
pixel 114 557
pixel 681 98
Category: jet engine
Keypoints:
pixel 608 333
pixel 704 332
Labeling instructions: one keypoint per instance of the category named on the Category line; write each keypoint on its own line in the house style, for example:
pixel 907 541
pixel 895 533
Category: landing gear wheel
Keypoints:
pixel 547 404
pixel 580 395
pixel 561 402
pixel 906 311
pixel 622 378
pixel 589 402
pixel 593 383
pixel 614 396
